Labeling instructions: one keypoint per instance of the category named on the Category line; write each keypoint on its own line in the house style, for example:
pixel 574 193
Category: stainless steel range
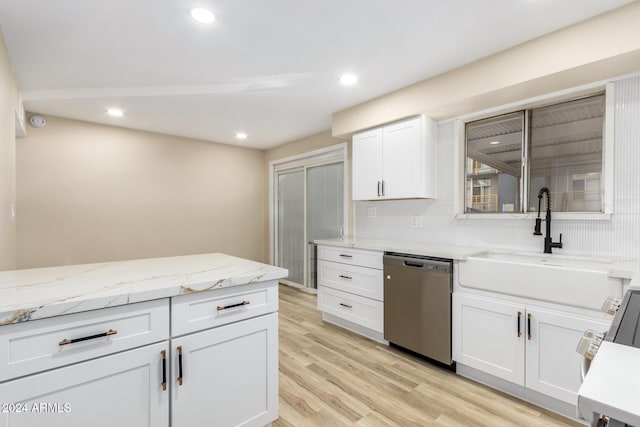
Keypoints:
pixel 609 395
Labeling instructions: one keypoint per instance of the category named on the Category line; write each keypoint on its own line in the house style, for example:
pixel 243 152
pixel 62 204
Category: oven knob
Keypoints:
pixel 611 305
pixel 589 344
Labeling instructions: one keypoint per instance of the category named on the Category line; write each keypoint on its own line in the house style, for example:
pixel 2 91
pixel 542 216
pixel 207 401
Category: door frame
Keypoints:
pixel 327 155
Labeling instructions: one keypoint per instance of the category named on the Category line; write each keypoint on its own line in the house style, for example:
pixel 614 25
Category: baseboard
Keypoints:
pixel 354 327
pixel 298 286
pixel 554 405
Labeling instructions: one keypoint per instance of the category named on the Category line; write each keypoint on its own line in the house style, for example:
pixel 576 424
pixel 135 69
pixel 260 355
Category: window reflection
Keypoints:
pixel 494 164
pixel 564 147
pixel 566 154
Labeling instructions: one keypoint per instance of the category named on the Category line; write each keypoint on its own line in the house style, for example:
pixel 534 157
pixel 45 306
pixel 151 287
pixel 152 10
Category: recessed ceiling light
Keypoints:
pixel 115 112
pixel 494 142
pixel 348 79
pixel 241 135
pixel 202 15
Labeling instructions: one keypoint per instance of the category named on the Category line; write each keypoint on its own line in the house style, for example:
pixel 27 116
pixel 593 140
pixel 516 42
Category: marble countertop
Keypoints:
pixel 439 251
pixel 44 292
pixel 619 268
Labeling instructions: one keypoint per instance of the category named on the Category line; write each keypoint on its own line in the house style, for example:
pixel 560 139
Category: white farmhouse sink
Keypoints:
pixel 580 282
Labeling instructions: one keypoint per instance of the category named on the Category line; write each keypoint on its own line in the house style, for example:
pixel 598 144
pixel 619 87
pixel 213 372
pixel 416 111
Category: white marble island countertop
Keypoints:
pixel 45 292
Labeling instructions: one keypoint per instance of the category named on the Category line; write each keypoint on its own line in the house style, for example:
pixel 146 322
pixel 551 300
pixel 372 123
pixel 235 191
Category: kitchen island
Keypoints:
pixel 182 341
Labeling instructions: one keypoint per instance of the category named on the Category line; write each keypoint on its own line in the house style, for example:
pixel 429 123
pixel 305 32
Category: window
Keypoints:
pixel 511 156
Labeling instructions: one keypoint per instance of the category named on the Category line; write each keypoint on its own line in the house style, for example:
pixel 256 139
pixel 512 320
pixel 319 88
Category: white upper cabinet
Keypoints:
pixel 367 165
pixel 396 161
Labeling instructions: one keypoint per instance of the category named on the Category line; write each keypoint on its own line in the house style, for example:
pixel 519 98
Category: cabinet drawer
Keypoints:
pixel 123 389
pixel 361 257
pixel 363 281
pixel 362 311
pixel 203 310
pixel 38 345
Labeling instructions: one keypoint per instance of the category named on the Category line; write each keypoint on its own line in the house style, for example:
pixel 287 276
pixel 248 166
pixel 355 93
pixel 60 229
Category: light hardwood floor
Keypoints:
pixel 332 377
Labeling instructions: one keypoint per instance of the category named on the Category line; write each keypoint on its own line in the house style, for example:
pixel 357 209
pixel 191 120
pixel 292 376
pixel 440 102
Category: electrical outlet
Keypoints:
pixel 371 212
pixel 416 222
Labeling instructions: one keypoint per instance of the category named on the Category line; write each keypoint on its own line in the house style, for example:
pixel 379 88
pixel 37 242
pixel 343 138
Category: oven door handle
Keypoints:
pixel 584 367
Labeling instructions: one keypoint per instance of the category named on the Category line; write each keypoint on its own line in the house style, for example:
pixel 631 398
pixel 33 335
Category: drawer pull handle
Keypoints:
pixel 179 364
pixel 164 369
pixel 342 276
pixel 90 337
pixel 240 304
pixel 346 256
pixel 346 305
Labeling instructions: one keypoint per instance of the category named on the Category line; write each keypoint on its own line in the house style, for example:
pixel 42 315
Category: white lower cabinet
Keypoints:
pixel 362 311
pixel 552 363
pixel 227 376
pixel 485 336
pixel 123 389
pixel 351 289
pixel 121 366
pixel 527 345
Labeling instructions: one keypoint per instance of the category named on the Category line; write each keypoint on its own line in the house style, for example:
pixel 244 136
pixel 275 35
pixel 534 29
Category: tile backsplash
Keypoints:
pixel 618 236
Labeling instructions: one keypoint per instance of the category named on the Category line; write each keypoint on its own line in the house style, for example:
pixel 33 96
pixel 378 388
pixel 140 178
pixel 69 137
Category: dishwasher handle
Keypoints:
pixel 413 264
pixel 440 265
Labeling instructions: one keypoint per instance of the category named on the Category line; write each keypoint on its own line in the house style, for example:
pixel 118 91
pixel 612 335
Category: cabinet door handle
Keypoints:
pixel 164 369
pixel 346 305
pixel 179 364
pixel 519 316
pixel 379 194
pixel 383 187
pixel 90 337
pixel 529 326
pixel 342 276
pixel 346 256
pixel 220 308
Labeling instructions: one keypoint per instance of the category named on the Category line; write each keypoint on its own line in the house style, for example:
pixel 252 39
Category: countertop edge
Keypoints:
pixel 70 300
pixel 459 253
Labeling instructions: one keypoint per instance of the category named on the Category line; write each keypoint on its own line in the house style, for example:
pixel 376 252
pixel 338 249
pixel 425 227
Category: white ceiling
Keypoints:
pixel 269 68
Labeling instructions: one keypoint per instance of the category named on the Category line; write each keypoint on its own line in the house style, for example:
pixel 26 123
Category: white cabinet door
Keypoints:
pixel 229 375
pixel 402 158
pixel 489 335
pixel 553 366
pixel 124 389
pixel 367 165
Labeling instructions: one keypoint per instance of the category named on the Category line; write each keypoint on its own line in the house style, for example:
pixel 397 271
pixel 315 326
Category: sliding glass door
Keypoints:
pixel 310 205
pixel 291 224
pixel 325 210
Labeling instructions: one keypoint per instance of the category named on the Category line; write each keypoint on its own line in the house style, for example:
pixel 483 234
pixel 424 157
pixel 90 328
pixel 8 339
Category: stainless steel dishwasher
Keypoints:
pixel 417 304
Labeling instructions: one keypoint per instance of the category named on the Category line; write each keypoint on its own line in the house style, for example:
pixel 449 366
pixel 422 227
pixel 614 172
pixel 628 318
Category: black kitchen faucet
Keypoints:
pixel 548 242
